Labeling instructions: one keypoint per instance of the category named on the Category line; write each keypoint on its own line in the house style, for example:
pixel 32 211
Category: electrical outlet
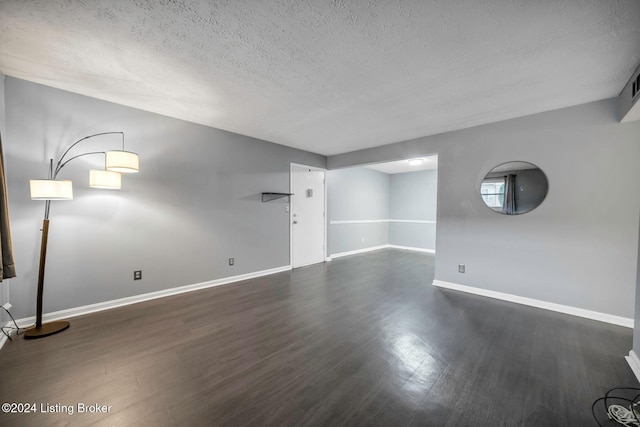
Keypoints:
pixel 232 261
pixel 7 306
pixel 460 268
pixel 137 275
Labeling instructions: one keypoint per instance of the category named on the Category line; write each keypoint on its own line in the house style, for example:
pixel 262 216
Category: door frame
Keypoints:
pixel 315 168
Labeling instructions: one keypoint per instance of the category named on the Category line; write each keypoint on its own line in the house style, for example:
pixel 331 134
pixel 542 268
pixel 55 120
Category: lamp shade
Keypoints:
pixel 50 189
pixel 122 161
pixel 105 179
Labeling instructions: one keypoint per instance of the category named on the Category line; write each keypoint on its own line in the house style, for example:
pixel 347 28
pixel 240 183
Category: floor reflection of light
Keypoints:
pixel 411 351
pixel 416 363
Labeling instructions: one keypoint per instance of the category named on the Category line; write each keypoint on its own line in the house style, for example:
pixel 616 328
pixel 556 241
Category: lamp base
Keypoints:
pixel 46 329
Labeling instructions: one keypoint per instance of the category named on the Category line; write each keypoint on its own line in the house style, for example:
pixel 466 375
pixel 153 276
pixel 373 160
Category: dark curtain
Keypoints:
pixel 509 206
pixel 8 268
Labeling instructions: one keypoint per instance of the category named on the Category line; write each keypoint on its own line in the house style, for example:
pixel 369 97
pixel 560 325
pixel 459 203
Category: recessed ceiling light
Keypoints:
pixel 416 162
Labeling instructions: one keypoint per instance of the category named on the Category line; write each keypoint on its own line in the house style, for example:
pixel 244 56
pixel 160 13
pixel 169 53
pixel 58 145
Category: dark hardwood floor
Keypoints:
pixel 362 340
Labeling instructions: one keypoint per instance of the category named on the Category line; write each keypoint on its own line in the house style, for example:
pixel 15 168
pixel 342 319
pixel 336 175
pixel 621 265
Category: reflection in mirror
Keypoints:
pixel 514 188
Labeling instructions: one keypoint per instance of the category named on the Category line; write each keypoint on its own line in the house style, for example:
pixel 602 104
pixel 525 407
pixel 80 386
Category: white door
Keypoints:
pixel 307 216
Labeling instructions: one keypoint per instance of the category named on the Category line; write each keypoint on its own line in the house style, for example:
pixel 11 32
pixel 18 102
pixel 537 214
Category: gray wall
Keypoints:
pixel 2 107
pixel 195 203
pixel 4 287
pixel 580 247
pixel 636 323
pixel 356 194
pixel 413 197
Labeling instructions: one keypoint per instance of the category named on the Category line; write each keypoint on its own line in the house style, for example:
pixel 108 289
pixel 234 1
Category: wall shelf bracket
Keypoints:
pixel 267 197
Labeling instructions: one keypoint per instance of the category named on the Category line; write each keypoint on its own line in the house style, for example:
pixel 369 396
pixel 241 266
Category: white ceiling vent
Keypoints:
pixel 629 105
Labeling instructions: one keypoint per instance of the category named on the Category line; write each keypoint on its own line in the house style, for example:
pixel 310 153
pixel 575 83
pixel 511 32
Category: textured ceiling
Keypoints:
pixel 327 76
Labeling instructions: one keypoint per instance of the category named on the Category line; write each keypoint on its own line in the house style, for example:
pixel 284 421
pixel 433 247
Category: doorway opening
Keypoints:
pixel 385 205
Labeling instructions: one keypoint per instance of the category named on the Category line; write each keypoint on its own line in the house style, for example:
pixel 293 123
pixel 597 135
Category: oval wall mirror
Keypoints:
pixel 514 188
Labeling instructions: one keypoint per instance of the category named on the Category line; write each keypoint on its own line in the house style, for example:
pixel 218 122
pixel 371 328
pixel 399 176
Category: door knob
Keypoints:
pixel 295 222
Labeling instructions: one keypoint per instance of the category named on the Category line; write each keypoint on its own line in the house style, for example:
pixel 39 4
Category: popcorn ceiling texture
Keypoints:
pixel 327 76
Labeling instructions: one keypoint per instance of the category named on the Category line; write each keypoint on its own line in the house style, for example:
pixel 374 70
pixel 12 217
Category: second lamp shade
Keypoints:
pixel 122 161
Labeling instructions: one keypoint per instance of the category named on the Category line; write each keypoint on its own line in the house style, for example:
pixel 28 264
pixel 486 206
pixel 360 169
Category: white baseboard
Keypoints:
pixel 3 337
pixel 411 248
pixel 375 248
pixel 580 312
pixel 106 305
pixel 634 363
pixel 12 333
pixel 358 251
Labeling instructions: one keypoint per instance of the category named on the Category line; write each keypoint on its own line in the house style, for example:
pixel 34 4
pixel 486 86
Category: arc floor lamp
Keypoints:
pixel 116 163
